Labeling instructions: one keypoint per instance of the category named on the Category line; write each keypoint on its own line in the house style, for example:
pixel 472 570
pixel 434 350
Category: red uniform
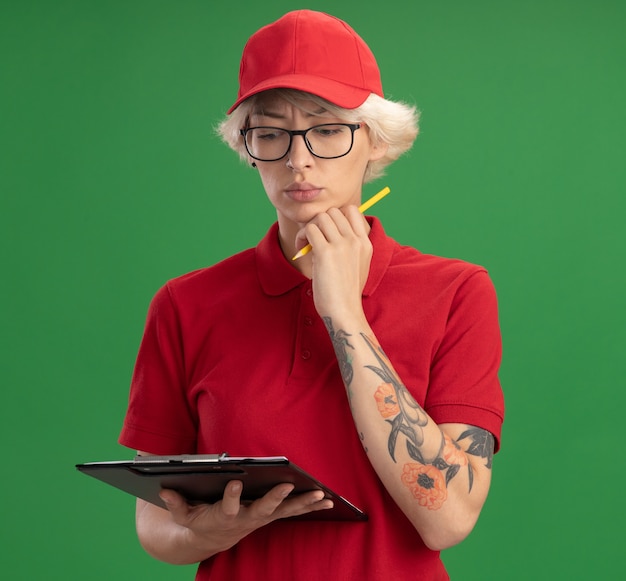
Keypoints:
pixel 235 359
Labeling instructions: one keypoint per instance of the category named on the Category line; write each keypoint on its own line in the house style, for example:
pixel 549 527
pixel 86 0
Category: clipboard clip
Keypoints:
pixel 181 459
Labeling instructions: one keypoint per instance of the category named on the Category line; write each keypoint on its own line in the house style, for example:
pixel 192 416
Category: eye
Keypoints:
pixel 328 130
pixel 268 133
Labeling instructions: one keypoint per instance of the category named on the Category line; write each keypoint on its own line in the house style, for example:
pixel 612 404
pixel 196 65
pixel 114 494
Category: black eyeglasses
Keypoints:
pixel 326 141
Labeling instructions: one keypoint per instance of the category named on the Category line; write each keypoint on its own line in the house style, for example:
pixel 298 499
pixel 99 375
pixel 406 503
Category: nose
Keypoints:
pixel 299 157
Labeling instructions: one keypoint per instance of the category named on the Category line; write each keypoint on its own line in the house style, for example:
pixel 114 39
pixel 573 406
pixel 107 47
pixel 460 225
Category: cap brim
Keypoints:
pixel 336 93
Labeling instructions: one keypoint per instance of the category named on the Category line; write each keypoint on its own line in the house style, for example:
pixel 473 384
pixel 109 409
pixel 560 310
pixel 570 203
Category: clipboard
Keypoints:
pixel 203 477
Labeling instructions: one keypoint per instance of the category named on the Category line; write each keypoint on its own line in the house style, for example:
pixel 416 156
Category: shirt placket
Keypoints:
pixel 308 330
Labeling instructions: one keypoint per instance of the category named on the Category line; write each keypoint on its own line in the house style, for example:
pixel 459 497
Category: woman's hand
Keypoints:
pixel 341 258
pixel 188 533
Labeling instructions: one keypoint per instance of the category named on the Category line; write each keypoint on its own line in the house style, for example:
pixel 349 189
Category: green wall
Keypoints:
pixel 111 182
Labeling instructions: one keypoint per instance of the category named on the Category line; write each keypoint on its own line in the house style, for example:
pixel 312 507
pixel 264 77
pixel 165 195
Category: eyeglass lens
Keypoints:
pixel 326 141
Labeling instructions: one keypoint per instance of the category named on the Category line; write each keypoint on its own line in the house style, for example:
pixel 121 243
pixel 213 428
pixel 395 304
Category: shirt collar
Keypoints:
pixel 278 276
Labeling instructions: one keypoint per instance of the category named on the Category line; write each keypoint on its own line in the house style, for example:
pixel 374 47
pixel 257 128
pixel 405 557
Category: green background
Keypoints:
pixel 112 181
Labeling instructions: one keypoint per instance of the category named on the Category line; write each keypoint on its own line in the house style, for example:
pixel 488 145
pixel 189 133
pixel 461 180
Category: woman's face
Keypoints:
pixel 300 185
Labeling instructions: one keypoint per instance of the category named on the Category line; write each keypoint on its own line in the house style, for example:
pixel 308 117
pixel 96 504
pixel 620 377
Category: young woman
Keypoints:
pixel 369 364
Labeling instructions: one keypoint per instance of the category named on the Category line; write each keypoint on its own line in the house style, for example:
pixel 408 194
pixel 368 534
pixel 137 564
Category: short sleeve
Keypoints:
pixel 158 419
pixel 464 386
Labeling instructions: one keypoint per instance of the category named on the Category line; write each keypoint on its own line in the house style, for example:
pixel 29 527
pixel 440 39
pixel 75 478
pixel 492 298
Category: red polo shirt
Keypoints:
pixel 235 358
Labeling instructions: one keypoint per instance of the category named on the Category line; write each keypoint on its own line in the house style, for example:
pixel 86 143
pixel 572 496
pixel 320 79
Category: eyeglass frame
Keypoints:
pixel 352 126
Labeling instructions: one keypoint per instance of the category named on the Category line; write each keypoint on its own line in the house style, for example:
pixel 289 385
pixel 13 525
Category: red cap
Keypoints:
pixel 313 52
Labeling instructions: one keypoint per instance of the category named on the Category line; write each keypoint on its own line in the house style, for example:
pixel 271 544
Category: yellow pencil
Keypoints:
pixel 362 208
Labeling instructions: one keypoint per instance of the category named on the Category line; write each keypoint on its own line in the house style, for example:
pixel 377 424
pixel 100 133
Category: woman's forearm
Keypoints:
pixel 438 475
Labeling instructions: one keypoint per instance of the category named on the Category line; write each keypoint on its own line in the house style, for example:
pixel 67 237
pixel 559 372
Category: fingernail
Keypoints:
pixel 286 492
pixel 164 498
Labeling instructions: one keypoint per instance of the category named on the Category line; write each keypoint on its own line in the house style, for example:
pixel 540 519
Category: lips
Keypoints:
pixel 303 192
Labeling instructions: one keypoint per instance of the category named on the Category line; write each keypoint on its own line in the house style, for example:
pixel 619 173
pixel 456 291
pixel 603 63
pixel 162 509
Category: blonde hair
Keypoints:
pixel 391 122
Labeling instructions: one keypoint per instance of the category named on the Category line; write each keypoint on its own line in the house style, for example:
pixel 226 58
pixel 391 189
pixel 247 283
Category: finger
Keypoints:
pixel 314 236
pixel 339 225
pixel 171 498
pixel 231 501
pixel 301 239
pixel 266 506
pixel 304 503
pixel 357 221
pixel 313 230
pixel 324 504
pixel 176 504
pixel 349 222
pixel 331 228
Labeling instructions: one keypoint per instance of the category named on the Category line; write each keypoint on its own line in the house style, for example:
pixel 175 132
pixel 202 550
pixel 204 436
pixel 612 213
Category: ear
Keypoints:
pixel 378 151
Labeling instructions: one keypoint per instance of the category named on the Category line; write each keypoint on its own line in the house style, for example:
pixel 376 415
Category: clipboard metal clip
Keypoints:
pixel 181 459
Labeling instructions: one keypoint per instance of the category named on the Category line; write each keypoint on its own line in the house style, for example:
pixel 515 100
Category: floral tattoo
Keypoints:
pixel 426 479
pixel 340 343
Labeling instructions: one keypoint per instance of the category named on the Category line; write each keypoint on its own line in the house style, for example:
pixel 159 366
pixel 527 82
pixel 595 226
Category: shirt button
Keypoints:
pixel 308 321
pixel 306 354
pixel 309 292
